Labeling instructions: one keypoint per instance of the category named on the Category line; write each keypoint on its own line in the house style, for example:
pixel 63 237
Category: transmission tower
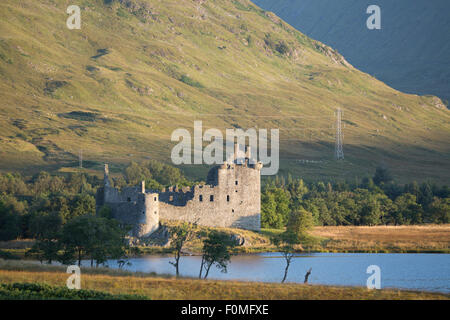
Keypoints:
pixel 339 150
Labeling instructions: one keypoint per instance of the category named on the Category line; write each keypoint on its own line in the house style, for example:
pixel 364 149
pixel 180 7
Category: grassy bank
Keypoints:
pixel 158 287
pixel 390 239
pixel 379 239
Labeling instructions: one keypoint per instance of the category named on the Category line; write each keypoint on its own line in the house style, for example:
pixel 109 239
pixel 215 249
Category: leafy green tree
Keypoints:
pixel 46 229
pixel 382 175
pixel 9 224
pixel 136 173
pixel 275 207
pixel 439 211
pixel 84 204
pixel 270 218
pixel 179 236
pixel 92 237
pixel 216 251
pixel 408 210
pixel 105 212
pixel 425 197
pixel 300 223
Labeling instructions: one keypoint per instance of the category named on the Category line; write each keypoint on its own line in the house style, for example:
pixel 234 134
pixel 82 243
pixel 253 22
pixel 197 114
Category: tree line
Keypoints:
pixel 377 200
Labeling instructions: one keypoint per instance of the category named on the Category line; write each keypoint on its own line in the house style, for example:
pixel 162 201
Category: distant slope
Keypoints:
pixel 411 52
pixel 138 69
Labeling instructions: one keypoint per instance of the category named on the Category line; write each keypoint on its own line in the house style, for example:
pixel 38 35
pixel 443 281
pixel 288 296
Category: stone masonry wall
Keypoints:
pixel 233 202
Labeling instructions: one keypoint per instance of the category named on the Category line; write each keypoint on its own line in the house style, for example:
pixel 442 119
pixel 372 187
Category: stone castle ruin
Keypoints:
pixel 230 198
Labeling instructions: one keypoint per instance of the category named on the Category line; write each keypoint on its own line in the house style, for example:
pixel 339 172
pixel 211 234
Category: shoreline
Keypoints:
pixel 168 287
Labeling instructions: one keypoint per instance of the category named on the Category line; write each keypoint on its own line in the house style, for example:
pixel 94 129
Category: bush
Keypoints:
pixel 38 291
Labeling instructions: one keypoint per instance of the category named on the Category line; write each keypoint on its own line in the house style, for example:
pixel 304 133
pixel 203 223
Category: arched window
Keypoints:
pixel 228 198
pixel 211 198
pixel 200 198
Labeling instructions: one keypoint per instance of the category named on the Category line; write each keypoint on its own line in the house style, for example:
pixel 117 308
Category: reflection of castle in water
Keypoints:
pixel 230 198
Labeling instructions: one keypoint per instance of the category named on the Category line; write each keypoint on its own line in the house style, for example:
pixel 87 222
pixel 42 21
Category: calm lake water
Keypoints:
pixel 430 272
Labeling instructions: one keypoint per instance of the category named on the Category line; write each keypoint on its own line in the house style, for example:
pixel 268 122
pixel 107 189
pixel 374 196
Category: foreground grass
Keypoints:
pixel 38 291
pixel 157 287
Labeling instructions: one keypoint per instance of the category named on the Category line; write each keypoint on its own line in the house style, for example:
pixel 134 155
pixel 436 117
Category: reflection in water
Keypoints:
pixel 410 271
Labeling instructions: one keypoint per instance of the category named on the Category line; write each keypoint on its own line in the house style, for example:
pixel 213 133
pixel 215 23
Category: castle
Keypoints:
pixel 230 198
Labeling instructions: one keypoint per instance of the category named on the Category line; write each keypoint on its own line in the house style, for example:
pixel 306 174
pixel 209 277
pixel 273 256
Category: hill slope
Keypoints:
pixel 411 52
pixel 138 69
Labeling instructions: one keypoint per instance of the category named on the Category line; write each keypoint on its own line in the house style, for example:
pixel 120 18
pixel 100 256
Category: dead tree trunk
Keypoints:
pixel 307 275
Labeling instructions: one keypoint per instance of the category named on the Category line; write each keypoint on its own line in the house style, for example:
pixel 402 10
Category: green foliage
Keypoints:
pixel 191 82
pixel 382 175
pixel 92 237
pixel 274 208
pixel 300 222
pixel 356 203
pixel 9 224
pixel 38 291
pixel 179 235
pixel 46 229
pixel 216 251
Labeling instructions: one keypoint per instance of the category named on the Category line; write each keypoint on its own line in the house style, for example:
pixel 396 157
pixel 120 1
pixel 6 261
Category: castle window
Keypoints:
pixel 211 198
pixel 200 198
pixel 228 198
pixel 154 198
pixel 236 182
pixel 232 210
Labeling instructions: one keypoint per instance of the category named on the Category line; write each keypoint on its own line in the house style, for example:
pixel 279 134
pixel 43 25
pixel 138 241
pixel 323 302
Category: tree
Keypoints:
pixel 84 204
pixel 216 251
pixel 9 224
pixel 179 235
pixel 408 210
pixel 300 222
pixel 440 211
pixel 92 237
pixel 382 175
pixel 285 243
pixel 274 207
pixel 46 229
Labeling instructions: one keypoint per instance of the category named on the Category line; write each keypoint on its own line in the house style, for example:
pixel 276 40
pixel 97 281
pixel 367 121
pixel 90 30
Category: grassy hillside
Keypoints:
pixel 138 69
pixel 411 52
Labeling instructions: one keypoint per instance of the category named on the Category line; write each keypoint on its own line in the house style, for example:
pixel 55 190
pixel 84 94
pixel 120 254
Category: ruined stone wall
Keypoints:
pixel 233 202
pixel 230 199
pixel 132 207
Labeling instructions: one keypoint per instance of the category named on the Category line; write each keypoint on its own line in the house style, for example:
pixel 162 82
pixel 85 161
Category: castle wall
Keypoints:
pixel 132 207
pixel 234 202
pixel 231 198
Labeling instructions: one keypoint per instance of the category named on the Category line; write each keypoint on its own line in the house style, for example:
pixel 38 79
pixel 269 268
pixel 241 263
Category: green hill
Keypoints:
pixel 138 69
pixel 411 51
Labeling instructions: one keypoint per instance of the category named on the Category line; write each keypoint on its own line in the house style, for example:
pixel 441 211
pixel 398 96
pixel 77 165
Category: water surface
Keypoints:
pixel 428 272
